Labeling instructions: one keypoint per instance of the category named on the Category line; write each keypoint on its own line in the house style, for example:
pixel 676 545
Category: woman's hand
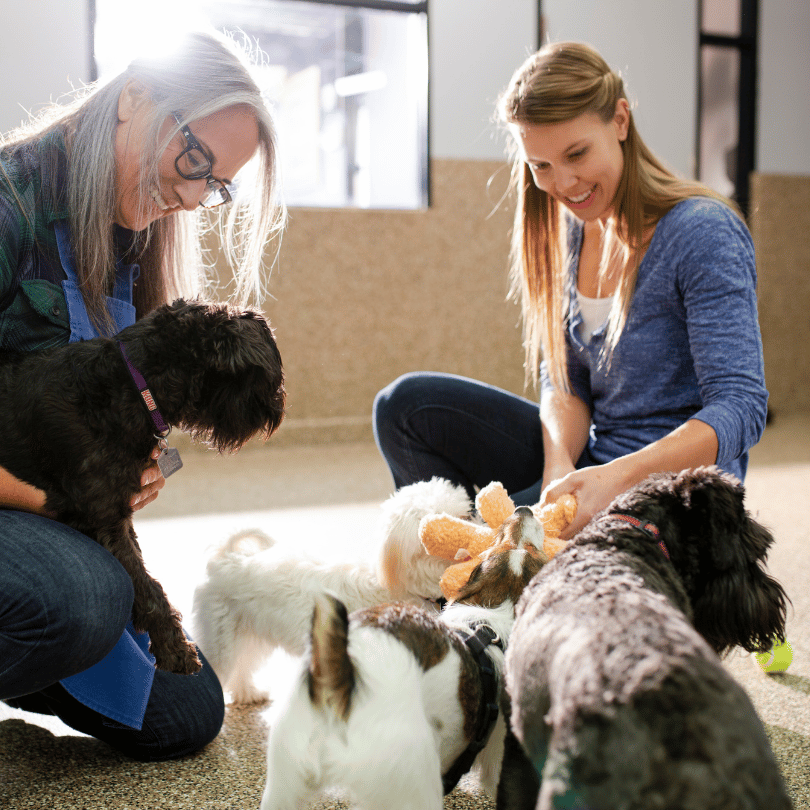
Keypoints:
pixel 593 487
pixel 691 445
pixel 553 474
pixel 152 482
pixel 15 494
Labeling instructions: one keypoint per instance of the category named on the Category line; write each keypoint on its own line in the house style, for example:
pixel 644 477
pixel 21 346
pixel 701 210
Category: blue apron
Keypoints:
pixel 119 685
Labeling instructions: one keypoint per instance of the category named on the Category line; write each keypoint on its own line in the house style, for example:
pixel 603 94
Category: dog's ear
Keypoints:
pixel 737 602
pixel 236 343
pixel 715 506
pixel 762 600
pixel 745 608
pixel 472 591
pixel 500 576
pixel 215 370
pixel 243 391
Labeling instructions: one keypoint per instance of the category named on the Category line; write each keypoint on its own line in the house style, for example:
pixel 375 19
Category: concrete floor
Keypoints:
pixel 330 495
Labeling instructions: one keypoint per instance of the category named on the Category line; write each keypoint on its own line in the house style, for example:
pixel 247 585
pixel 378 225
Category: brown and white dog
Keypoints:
pixel 394 703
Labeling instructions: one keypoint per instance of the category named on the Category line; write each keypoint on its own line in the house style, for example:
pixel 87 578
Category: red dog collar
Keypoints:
pixel 650 528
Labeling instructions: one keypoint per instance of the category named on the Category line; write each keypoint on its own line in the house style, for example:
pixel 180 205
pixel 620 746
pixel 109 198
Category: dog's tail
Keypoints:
pixel 331 674
pixel 246 543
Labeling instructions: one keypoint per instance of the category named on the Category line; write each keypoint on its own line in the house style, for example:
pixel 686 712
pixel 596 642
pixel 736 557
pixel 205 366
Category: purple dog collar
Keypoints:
pixel 169 459
pixel 650 528
pixel 140 383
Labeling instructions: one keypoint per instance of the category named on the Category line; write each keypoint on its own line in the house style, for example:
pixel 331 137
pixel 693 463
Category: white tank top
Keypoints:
pixel 594 312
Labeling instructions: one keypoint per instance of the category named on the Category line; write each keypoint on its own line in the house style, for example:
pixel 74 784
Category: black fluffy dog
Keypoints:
pixel 75 425
pixel 618 697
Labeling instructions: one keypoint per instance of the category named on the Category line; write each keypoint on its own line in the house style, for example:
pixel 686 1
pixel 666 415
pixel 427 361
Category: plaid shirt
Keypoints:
pixel 33 313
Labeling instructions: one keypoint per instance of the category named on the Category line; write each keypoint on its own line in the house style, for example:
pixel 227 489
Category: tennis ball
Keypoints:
pixel 778 659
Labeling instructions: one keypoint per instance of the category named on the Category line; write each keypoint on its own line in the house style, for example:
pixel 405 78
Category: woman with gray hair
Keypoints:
pixel 102 206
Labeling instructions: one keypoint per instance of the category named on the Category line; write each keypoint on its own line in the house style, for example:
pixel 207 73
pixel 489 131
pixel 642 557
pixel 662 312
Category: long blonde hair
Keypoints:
pixel 205 73
pixel 558 83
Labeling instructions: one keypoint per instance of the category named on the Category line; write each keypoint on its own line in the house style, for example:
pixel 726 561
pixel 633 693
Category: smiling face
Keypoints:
pixel 230 137
pixel 579 162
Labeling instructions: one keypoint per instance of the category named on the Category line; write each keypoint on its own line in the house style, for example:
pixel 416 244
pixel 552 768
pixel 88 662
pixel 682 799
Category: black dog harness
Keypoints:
pixel 650 528
pixel 477 642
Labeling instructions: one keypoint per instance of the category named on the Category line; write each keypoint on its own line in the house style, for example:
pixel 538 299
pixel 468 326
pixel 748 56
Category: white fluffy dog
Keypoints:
pixel 260 595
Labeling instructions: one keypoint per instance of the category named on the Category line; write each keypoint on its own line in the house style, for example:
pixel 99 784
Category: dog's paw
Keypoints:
pixel 246 694
pixel 182 661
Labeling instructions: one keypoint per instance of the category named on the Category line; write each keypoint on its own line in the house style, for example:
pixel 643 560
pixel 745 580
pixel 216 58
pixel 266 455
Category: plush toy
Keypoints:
pixel 463 541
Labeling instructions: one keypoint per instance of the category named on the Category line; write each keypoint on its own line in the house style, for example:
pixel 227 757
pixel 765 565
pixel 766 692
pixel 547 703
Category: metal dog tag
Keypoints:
pixel 169 461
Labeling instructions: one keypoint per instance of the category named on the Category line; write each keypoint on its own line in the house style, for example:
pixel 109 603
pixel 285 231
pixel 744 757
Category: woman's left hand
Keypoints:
pixel 593 487
pixel 152 482
pixel 692 444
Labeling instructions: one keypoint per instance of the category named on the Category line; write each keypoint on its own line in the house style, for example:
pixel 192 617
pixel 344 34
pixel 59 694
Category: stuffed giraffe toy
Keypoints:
pixel 463 541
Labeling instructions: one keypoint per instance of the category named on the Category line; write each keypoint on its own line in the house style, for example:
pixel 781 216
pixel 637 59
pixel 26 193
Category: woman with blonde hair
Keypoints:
pixel 103 203
pixel 638 293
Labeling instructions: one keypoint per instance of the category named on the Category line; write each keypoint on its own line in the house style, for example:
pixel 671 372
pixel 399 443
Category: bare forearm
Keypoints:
pixel 566 423
pixel 693 444
pixel 15 494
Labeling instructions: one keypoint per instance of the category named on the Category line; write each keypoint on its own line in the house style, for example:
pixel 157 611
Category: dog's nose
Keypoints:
pixel 523 511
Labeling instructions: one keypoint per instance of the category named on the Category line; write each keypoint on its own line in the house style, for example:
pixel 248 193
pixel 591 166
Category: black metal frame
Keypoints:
pixel 377 5
pixel 541 25
pixel 746 44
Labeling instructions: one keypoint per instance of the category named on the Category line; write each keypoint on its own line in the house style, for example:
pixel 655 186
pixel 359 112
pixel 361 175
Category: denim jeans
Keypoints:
pixel 64 603
pixel 428 424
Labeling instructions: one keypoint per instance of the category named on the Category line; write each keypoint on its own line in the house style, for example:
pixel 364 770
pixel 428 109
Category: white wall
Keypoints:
pixel 45 54
pixel 475 45
pixel 784 86
pixel 653 44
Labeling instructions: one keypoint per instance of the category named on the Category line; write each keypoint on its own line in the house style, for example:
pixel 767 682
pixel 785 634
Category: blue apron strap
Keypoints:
pixel 119 685
pixel 119 306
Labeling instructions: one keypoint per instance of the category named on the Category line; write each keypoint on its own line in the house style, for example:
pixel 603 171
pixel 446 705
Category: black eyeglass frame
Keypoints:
pixel 213 186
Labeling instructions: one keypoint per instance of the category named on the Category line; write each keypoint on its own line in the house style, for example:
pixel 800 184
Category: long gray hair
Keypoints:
pixel 205 73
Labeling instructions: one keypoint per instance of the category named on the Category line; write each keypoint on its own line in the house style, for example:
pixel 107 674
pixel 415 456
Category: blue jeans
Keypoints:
pixel 470 433
pixel 64 603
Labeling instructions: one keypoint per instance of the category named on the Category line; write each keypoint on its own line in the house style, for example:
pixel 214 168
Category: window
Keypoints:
pixel 726 96
pixel 348 81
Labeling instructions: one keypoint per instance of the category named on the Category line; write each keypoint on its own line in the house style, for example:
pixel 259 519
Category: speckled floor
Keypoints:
pixel 331 495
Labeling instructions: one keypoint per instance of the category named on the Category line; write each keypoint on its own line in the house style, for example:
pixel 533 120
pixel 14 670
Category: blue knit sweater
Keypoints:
pixel 691 347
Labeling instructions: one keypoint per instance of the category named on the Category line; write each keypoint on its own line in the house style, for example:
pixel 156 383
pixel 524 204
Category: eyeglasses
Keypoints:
pixel 194 164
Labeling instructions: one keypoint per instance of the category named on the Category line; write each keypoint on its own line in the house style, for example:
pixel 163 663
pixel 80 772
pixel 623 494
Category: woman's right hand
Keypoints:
pixel 556 472
pixel 152 481
pixel 593 487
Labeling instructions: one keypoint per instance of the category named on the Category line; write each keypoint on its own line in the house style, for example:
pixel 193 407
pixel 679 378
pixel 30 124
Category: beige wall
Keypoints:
pixel 364 296
pixel 780 225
